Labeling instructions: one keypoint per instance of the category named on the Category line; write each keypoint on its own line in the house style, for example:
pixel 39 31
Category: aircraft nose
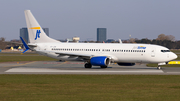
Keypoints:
pixel 173 56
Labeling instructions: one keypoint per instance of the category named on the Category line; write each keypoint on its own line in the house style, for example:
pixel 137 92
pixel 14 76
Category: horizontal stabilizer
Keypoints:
pixel 25 45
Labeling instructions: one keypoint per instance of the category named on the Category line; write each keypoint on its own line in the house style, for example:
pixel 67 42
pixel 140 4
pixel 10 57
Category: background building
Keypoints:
pixel 101 34
pixel 24 33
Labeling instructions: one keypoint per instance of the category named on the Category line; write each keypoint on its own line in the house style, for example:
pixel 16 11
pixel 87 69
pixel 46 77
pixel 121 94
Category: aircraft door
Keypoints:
pixel 46 52
pixel 167 55
pixel 153 51
pixel 45 47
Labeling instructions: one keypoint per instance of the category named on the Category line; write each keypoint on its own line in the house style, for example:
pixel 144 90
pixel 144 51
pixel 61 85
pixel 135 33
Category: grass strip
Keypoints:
pixel 176 51
pixel 11 54
pixel 90 87
pixel 168 65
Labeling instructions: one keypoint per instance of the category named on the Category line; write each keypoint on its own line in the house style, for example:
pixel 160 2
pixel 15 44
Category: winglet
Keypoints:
pixel 120 41
pixel 25 45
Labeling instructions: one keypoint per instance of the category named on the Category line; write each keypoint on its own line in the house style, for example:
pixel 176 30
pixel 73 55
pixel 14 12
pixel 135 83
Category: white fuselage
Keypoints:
pixel 93 54
pixel 129 53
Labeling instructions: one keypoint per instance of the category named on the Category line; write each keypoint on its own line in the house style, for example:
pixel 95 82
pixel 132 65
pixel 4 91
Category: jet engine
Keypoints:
pixel 100 61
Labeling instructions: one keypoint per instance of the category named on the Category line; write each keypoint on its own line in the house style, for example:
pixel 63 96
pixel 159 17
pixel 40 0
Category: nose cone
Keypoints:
pixel 173 56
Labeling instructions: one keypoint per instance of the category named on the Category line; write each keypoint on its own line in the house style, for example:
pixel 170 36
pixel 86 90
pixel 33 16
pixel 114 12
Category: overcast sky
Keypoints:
pixel 69 18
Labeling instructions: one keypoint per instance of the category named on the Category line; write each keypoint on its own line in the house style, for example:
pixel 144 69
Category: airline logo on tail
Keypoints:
pixel 37 32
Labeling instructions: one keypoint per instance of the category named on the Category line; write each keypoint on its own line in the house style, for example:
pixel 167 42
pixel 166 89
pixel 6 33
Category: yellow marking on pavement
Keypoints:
pixel 20 64
pixel 174 62
pixel 30 62
pixel 61 63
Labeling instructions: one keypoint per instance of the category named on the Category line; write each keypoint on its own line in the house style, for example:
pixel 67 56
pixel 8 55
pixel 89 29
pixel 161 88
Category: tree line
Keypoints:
pixel 163 40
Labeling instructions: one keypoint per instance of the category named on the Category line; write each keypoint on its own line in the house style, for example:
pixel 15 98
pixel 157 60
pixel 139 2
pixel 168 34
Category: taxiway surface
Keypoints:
pixel 54 67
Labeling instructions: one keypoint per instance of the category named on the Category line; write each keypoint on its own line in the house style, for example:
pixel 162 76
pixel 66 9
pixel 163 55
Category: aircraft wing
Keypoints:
pixel 80 56
pixel 83 56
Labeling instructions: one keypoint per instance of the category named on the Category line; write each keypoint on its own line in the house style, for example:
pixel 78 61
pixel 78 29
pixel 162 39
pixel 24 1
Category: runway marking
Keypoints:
pixel 21 69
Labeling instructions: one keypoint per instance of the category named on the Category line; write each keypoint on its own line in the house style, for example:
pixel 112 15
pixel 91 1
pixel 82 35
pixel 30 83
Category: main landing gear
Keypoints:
pixel 87 65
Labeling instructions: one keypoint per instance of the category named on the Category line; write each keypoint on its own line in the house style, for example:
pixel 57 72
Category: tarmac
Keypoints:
pixel 56 67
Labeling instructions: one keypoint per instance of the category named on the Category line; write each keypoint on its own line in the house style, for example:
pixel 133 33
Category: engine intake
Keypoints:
pixel 100 61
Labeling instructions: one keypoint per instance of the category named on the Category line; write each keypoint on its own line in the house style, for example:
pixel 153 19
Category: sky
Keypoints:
pixel 70 18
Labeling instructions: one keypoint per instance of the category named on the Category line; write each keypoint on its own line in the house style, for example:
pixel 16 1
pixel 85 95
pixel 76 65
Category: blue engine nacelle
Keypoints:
pixel 100 61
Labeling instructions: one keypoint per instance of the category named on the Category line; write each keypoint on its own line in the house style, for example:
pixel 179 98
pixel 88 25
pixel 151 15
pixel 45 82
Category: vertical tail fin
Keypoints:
pixel 35 31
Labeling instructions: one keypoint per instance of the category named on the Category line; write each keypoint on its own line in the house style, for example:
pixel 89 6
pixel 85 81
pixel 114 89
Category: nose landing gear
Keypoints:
pixel 158 67
pixel 159 64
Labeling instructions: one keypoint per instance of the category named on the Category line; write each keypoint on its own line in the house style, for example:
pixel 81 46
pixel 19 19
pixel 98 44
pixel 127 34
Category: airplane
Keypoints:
pixel 94 54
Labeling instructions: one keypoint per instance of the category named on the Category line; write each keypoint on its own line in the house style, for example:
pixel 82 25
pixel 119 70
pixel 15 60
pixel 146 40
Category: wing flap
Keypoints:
pixel 83 56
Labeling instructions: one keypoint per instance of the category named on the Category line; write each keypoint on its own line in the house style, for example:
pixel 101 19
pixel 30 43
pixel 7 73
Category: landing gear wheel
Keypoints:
pixel 159 67
pixel 87 65
pixel 103 66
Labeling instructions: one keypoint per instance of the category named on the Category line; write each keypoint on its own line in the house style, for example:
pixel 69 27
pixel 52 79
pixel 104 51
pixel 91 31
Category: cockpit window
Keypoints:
pixel 165 50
